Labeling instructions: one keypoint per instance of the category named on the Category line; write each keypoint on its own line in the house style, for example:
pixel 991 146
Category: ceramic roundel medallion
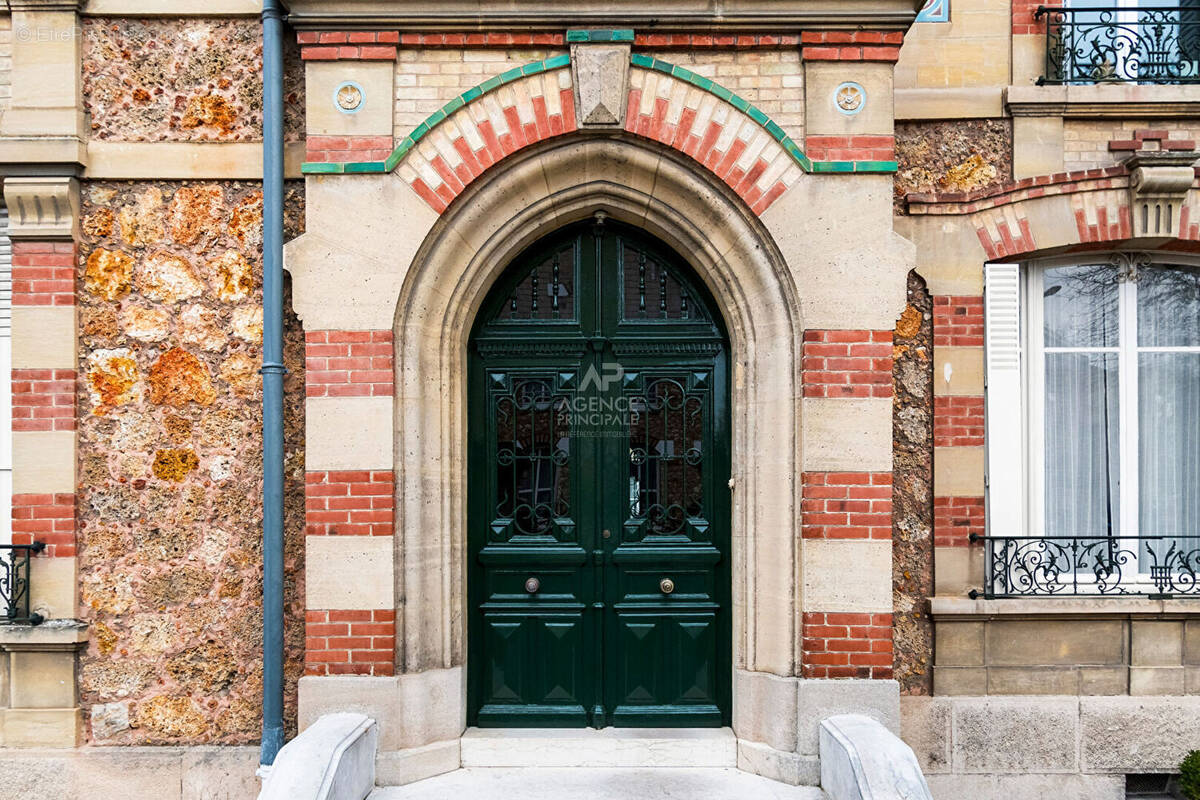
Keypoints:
pixel 348 97
pixel 849 98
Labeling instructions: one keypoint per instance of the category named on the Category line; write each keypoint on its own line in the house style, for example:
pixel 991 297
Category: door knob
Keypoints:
pixel 532 585
pixel 666 586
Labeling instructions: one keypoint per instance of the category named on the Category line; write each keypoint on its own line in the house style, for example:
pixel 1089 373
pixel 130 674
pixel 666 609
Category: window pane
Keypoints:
pixel 1168 307
pixel 1082 446
pixel 1080 306
pixel 1169 444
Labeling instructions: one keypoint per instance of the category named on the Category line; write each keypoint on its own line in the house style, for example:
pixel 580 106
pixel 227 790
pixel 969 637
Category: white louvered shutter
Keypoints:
pixel 1002 344
pixel 5 380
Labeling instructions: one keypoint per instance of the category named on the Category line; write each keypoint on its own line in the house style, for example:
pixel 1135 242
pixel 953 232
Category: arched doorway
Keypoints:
pixel 598 498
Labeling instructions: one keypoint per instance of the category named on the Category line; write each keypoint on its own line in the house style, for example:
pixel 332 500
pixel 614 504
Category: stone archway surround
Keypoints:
pixel 373 240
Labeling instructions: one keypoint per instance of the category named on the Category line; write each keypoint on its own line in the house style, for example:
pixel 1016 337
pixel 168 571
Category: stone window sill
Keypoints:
pixel 1103 100
pixel 1016 608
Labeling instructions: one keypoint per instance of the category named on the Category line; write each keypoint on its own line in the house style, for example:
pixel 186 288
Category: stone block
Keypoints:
pixel 38 775
pixel 961 787
pixel 925 727
pixel 791 768
pixel 219 773
pixel 1191 642
pixel 958 371
pixel 958 471
pixel 601 79
pixel 41 679
pixel 765 710
pixel 1156 643
pixel 1137 734
pixel 957 570
pixel 1156 680
pixel 1060 787
pixel 373 117
pixel 43 462
pixel 42 727
pixel 821 80
pixel 958 644
pixel 863 760
pixel 377 698
pixel 400 767
pixel 54 587
pixel 1103 680
pixel 829 586
pixel 348 433
pixel 1037 146
pixel 959 680
pixel 349 572
pixel 140 773
pixel 43 337
pixel 1032 680
pixel 843 434
pixel 432 706
pixel 818 699
pixel 1055 642
pixel 994 735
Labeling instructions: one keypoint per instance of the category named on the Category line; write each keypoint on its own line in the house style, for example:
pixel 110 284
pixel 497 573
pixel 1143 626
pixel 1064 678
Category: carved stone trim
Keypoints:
pixel 1158 187
pixel 42 208
pixel 601 83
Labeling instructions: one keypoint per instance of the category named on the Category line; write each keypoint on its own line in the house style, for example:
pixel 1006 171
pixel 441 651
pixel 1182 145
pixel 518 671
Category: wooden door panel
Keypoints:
pixel 667 666
pixel 535 663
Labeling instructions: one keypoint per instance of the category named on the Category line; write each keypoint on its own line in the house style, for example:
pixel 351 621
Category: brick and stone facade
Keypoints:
pixel 837 180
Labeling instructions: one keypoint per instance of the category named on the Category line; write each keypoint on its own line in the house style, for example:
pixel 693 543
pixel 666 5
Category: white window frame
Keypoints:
pixel 1033 386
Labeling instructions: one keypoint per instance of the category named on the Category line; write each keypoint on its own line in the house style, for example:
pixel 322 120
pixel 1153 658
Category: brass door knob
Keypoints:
pixel 532 585
pixel 666 586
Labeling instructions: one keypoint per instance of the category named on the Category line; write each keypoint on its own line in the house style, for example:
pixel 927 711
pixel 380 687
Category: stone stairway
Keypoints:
pixel 647 764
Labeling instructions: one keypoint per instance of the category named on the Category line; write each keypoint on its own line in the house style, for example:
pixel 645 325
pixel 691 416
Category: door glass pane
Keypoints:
pixel 1168 307
pixel 1082 445
pixel 533 485
pixel 1080 306
pixel 666 456
pixel 650 290
pixel 546 292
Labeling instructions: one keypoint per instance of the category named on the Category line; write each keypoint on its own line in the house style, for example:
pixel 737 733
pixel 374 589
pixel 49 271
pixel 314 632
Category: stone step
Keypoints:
pixel 609 747
pixel 598 783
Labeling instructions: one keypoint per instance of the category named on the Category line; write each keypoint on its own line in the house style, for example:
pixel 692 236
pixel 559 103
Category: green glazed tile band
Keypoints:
pixel 605 35
pixel 756 114
pixel 564 60
pixel 419 132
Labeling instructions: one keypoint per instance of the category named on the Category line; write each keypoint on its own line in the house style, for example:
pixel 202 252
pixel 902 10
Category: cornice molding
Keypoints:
pixel 744 15
pixel 1103 100
pixel 46 5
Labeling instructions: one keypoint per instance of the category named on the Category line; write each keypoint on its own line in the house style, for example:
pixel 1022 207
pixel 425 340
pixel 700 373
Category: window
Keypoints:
pixel 1094 419
pixel 1138 41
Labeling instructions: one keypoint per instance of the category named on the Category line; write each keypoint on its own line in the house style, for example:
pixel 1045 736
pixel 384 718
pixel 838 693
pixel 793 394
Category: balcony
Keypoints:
pixel 1158 567
pixel 1157 44
pixel 14 582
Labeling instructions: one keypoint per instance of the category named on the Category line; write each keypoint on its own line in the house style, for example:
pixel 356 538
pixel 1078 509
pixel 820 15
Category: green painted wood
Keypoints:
pixel 607 410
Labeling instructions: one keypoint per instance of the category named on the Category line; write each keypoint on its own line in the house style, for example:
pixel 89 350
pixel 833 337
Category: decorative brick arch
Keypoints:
pixel 731 138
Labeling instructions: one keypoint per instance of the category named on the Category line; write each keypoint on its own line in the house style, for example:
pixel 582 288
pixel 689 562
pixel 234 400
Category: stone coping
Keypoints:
pixel 52 633
pixel 564 61
pixel 966 608
pixel 1128 100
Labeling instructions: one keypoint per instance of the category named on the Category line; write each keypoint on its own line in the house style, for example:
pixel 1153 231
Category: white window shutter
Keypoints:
pixel 1004 435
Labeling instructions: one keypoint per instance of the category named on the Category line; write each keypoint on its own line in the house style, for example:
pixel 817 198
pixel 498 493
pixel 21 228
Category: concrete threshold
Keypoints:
pixel 598 783
pixel 608 747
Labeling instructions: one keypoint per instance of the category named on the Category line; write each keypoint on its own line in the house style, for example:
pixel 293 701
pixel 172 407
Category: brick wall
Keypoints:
pixel 847 645
pixel 349 642
pixel 43 273
pixel 348 363
pixel 847 505
pixel 347 148
pixel 955 519
pixel 850 148
pixel 851 45
pixel 1023 21
pixel 958 321
pixel 358 45
pixel 348 503
pixel 847 363
pixel 1086 142
pixel 43 399
pixel 48 518
pixel 958 421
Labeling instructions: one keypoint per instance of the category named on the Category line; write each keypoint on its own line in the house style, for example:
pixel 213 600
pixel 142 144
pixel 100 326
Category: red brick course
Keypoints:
pixel 348 45
pixel 1022 15
pixel 846 505
pixel 956 518
pixel 349 642
pixel 850 148
pixel 348 148
pixel 958 422
pixel 348 363
pixel 715 41
pixel 312 39
pixel 348 503
pixel 43 399
pixel 851 45
pixel 839 363
pixel 48 518
pixel 43 273
pixel 958 321
pixel 847 645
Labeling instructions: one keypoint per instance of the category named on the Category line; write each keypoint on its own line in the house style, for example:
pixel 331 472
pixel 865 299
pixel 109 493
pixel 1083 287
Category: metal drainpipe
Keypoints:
pixel 272 372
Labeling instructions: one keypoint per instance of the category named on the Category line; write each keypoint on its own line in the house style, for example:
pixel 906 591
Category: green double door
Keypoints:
pixel 598 471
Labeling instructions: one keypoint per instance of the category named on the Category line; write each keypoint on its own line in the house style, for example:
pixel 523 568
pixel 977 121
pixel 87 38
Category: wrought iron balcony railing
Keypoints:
pixel 1081 566
pixel 1144 44
pixel 14 581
